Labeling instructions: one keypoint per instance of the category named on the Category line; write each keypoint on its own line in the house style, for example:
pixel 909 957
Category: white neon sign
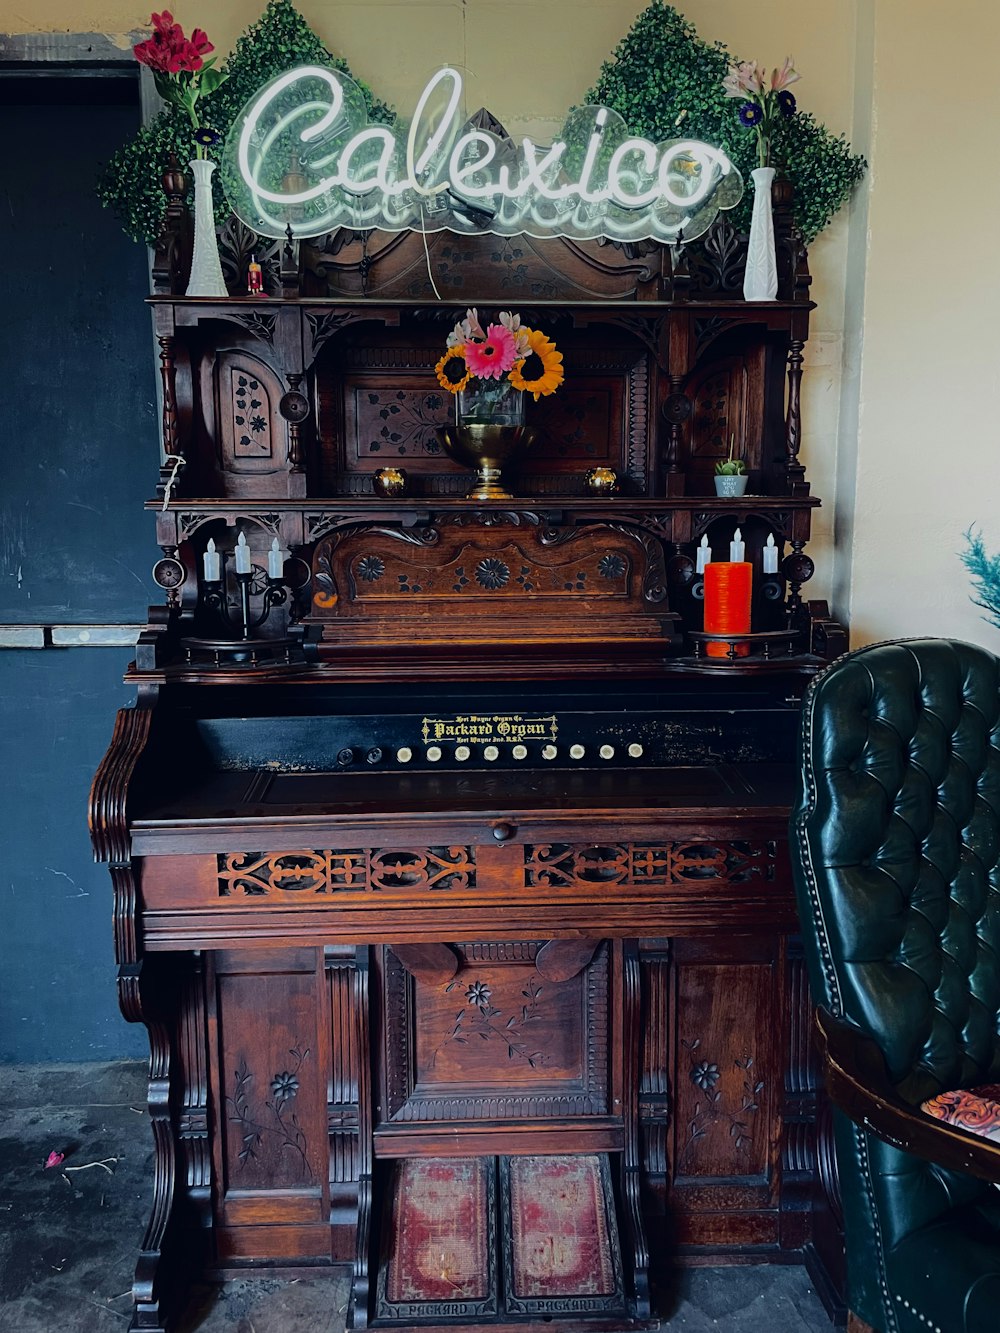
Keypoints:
pixel 302 154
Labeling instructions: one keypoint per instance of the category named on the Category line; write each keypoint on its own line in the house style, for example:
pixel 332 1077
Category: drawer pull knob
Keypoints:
pixel 503 831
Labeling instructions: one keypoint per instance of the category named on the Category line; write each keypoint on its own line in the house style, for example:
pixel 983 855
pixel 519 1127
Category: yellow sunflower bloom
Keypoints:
pixel 452 372
pixel 540 372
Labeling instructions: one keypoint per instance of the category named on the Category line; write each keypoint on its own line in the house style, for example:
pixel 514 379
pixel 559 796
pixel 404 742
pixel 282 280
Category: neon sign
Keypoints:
pixel 302 154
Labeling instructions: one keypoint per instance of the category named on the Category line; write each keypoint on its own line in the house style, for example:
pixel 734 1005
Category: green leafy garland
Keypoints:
pixel 663 80
pixel 666 83
pixel 985 571
pixel 281 38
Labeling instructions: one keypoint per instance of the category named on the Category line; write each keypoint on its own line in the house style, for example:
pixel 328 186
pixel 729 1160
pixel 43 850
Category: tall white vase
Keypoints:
pixel 206 271
pixel 760 282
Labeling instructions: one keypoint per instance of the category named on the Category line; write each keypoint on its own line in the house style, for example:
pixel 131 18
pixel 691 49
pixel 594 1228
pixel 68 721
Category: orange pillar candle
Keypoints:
pixel 727 604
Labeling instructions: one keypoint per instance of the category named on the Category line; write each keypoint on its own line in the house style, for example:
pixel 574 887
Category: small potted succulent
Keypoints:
pixel 731 473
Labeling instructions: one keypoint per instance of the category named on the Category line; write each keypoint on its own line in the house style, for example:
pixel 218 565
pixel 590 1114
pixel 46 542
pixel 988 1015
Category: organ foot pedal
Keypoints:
pixel 509 1241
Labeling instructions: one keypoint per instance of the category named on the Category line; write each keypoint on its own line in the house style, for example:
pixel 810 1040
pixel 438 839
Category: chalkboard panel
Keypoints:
pixel 78 430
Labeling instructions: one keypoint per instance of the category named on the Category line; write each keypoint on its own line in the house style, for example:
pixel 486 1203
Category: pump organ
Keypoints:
pixel 465 879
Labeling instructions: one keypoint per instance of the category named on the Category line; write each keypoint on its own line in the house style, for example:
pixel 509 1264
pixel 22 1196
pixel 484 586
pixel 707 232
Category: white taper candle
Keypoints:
pixel 210 562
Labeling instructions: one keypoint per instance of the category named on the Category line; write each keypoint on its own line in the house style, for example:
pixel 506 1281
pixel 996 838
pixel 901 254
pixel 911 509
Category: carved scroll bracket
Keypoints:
pixel 322 325
pixel 777 521
pixel 188 522
pixel 260 323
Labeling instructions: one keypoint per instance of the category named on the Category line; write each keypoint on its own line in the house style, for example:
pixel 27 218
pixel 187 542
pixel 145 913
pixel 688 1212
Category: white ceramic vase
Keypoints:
pixel 760 282
pixel 206 271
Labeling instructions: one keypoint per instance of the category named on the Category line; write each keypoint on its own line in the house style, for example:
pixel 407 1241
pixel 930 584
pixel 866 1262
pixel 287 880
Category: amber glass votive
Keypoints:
pixel 727 605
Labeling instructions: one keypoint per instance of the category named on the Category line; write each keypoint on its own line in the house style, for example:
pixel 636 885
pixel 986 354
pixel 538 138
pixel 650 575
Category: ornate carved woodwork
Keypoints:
pixel 497 1039
pixel 476 887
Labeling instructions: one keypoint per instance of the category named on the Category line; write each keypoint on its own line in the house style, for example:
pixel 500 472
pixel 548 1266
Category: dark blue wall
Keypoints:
pixel 57 981
pixel 78 455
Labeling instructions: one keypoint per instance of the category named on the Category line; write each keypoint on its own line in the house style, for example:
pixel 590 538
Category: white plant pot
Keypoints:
pixel 760 281
pixel 736 485
pixel 206 271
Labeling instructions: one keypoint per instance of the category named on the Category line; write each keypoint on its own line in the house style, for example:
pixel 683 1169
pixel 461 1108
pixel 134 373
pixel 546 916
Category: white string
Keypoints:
pixel 427 253
pixel 178 461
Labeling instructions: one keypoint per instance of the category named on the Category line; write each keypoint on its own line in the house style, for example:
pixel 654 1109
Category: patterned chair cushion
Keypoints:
pixel 974 1109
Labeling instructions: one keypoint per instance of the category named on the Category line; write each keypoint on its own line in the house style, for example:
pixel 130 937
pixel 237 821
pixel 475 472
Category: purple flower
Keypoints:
pixel 207 137
pixel 786 102
pixel 750 114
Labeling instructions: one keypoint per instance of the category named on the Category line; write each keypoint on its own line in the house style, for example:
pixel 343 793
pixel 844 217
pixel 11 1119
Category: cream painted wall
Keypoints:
pixel 901 389
pixel 929 390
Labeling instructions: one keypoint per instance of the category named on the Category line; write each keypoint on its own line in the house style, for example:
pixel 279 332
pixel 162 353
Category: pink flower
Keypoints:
pixel 781 78
pixel 200 42
pixel 744 78
pixel 54 1159
pixel 494 356
pixel 185 57
pixel 168 50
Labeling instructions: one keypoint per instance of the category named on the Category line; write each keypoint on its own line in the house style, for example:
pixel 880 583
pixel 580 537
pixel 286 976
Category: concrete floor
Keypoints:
pixel 68 1238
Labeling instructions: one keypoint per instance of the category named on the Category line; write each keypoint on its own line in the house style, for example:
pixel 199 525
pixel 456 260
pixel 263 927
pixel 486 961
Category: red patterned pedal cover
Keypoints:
pixel 439 1241
pixel 561 1249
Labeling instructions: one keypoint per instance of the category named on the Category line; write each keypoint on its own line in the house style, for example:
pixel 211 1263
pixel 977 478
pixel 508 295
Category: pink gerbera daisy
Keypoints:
pixel 490 359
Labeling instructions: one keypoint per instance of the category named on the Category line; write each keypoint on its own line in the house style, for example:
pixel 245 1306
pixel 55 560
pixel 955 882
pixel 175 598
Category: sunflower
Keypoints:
pixel 541 371
pixel 452 372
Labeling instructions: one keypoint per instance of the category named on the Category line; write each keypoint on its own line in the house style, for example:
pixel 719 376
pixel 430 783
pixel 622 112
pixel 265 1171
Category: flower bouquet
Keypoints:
pixel 489 372
pixel 182 75
pixel 762 106
pixel 761 110
pixel 180 71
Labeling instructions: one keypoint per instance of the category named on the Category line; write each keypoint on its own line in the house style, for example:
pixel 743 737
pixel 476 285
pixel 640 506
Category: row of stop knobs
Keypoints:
pixel 491 753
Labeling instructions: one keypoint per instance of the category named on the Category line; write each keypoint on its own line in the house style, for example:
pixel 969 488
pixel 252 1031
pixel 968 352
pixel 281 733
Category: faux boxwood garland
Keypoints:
pixel 666 83
pixel 663 80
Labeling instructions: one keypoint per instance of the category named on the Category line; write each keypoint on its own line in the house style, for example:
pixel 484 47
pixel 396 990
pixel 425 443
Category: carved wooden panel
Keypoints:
pixel 268 1022
pixel 727 1053
pixel 507 270
pixel 364 870
pixel 251 436
pixel 570 865
pixel 380 403
pixel 724 1089
pixel 719 396
pixel 497 1039
pixel 507 580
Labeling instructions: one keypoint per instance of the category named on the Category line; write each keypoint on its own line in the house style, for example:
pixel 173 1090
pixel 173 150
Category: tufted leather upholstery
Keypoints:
pixel 896 847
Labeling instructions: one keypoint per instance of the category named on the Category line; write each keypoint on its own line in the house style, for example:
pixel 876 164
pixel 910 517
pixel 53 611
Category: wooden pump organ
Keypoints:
pixel 450 875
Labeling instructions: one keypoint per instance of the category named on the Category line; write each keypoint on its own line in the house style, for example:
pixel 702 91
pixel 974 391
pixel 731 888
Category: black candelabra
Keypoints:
pixel 251 582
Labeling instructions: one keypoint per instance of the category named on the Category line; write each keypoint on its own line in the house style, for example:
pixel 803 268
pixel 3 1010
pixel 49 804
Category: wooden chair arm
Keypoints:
pixel 858 1084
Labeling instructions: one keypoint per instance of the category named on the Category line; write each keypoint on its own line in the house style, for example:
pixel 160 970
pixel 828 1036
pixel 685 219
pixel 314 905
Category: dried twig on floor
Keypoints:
pixel 103 1163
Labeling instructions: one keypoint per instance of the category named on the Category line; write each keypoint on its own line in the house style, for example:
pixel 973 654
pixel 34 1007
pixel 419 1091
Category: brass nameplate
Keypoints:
pixel 490 728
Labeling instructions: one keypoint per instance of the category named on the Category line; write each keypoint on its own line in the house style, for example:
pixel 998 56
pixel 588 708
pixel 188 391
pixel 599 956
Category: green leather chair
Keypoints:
pixel 896 850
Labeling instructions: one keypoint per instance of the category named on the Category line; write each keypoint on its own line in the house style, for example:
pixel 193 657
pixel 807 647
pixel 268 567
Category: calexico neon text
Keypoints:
pixel 445 173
